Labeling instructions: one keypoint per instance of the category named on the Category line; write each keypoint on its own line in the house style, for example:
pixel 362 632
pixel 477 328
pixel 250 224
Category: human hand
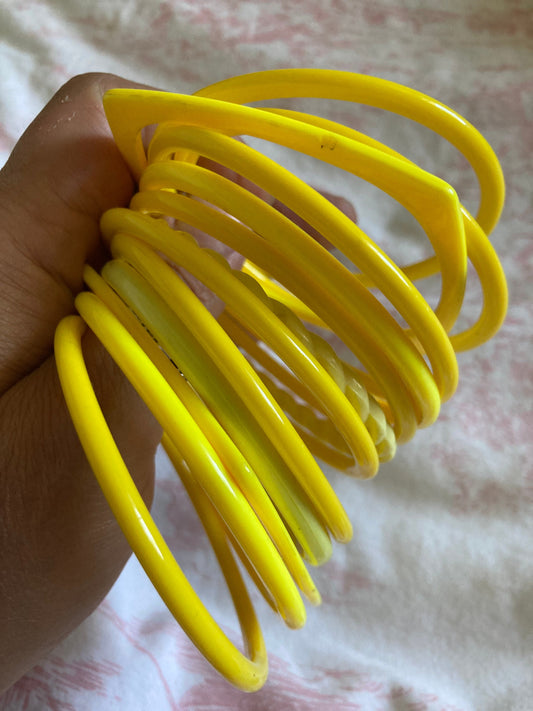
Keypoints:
pixel 60 546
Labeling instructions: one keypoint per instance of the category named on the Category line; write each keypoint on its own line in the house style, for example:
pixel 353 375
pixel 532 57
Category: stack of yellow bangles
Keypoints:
pixel 248 402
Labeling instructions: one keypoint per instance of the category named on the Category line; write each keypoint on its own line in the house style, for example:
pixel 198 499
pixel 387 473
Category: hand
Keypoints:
pixel 60 547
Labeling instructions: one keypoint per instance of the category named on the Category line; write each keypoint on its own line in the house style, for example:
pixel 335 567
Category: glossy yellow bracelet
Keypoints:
pixel 250 401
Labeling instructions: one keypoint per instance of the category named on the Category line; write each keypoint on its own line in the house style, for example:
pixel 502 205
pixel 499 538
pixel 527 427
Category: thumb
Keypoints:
pixel 64 172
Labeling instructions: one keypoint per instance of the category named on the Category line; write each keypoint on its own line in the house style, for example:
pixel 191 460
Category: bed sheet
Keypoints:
pixel 430 607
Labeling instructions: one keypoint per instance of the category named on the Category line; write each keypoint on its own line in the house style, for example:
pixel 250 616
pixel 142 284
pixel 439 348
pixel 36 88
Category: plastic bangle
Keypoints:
pixel 250 401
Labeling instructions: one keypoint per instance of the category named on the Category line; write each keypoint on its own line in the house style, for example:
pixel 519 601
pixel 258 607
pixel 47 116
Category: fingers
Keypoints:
pixel 341 203
pixel 235 259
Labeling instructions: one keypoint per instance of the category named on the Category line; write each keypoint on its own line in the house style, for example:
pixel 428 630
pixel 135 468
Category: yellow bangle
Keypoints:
pixel 142 533
pixel 250 401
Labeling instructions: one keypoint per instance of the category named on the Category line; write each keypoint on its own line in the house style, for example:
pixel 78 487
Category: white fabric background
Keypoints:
pixel 430 607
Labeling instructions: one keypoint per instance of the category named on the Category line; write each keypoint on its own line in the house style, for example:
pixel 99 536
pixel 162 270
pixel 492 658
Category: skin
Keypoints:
pixel 60 547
